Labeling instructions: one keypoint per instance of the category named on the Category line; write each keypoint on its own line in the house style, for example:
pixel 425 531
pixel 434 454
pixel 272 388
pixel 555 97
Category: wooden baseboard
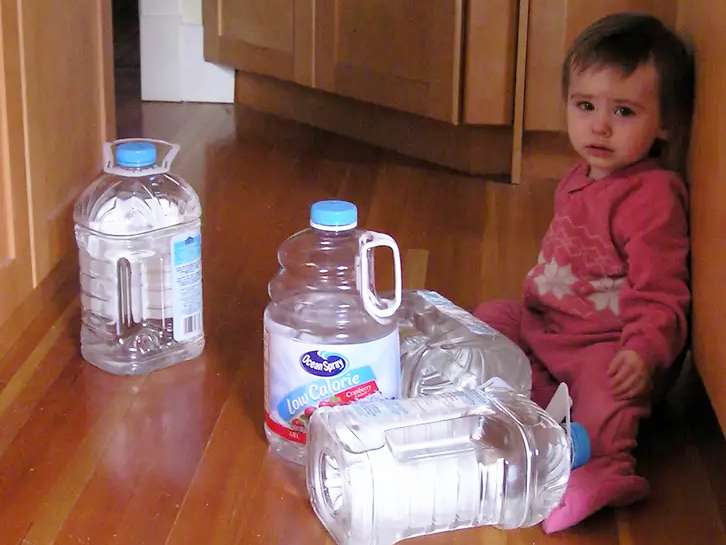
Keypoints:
pixel 481 150
pixel 43 305
pixel 546 155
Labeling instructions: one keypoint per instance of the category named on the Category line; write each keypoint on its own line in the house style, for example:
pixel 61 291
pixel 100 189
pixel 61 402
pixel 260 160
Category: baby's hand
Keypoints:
pixel 629 375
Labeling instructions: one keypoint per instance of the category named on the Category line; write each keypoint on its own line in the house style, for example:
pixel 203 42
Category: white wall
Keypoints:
pixel 172 61
pixel 191 11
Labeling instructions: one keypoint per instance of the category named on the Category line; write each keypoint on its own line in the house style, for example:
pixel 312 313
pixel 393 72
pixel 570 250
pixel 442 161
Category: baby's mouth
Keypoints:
pixel 599 151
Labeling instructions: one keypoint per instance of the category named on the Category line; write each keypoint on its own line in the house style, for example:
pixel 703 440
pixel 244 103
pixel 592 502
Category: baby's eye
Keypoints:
pixel 624 111
pixel 585 105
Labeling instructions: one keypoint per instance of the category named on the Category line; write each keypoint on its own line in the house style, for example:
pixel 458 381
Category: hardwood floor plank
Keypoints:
pixel 24 373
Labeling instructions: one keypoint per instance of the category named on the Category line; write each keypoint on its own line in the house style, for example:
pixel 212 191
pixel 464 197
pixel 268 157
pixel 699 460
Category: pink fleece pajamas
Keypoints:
pixel 612 274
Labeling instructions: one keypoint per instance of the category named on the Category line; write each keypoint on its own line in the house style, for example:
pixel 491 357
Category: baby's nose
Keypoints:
pixel 601 124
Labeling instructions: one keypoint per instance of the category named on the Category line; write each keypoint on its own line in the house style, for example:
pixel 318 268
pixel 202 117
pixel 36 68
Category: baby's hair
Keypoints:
pixel 628 40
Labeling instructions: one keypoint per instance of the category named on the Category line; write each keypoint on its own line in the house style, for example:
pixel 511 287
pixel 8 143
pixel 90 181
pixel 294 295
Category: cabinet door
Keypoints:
pixel 404 54
pixel 553 25
pixel 68 112
pixel 490 48
pixel 269 37
pixel 16 279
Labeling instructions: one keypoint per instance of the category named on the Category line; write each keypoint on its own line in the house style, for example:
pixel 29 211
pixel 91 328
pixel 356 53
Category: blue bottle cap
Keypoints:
pixel 333 215
pixel 581 447
pixel 135 154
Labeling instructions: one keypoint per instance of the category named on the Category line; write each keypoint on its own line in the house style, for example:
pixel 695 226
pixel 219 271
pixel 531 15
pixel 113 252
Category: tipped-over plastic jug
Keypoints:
pixel 444 348
pixel 382 471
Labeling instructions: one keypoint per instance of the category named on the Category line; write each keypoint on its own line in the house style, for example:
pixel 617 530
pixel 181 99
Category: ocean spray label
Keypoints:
pixel 323 364
pixel 186 266
pixel 302 376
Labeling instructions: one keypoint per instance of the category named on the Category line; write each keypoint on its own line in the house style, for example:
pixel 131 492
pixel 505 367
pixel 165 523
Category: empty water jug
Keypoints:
pixel 382 471
pixel 444 348
pixel 139 240
pixel 329 338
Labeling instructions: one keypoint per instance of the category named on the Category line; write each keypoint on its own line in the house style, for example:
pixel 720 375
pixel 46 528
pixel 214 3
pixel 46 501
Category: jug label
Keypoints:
pixel 303 376
pixel 394 410
pixel 186 259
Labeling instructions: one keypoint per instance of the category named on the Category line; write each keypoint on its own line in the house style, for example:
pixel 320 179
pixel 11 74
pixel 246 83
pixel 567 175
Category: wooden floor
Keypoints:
pixel 178 457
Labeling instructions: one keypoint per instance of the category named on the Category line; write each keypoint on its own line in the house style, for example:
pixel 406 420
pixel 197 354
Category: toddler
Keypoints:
pixel 605 307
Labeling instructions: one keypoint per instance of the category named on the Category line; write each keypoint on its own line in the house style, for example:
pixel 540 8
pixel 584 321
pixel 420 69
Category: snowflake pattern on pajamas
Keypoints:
pixel 578 270
pixel 555 279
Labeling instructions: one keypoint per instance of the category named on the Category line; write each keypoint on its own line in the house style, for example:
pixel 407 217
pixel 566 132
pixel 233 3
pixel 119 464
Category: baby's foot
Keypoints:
pixel 590 491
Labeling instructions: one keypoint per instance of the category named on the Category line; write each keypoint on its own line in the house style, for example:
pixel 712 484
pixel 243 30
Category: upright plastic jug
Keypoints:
pixel 139 240
pixel 329 339
pixel 386 470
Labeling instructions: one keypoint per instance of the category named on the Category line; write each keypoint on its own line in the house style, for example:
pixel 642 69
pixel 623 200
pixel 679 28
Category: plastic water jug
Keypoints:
pixel 445 348
pixel 383 471
pixel 329 338
pixel 139 240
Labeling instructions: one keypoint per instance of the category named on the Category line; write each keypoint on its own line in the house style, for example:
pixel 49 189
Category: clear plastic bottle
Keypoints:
pixel 444 348
pixel 383 471
pixel 139 241
pixel 329 339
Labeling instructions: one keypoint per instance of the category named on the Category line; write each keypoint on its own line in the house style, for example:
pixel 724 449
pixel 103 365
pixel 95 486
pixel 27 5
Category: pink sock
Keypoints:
pixel 593 486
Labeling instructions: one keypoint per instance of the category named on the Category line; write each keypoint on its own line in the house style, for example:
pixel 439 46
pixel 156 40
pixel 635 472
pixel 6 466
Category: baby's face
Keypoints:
pixel 613 120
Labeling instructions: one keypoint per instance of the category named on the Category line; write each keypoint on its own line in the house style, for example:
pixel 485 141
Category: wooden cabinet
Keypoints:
pixel 16 279
pixel 405 54
pixel 269 37
pixel 447 60
pixel 703 24
pixel 68 113
pixel 56 109
pixel 553 25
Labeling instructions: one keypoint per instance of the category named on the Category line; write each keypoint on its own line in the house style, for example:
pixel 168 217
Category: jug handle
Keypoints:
pixel 109 164
pixel 375 306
